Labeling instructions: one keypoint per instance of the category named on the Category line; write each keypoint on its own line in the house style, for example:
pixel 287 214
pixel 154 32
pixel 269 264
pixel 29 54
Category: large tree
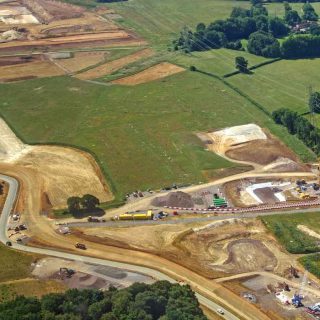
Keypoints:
pixel 309 13
pixel 241 64
pixel 314 102
pixel 74 204
pixel 89 201
pixel 263 44
pixel 277 27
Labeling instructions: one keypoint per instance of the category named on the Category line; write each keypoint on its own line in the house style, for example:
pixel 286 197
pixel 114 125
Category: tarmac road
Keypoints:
pixel 202 218
pixel 4 218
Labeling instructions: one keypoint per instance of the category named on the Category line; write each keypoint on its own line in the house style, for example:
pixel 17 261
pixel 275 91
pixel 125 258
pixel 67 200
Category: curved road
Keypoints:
pixel 4 218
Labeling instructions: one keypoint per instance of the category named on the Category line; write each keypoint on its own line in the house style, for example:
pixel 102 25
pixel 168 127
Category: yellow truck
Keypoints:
pixel 135 216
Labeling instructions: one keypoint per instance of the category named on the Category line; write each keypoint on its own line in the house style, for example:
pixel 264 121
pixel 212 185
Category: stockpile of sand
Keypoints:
pixel 239 134
pixel 174 199
pixel 11 35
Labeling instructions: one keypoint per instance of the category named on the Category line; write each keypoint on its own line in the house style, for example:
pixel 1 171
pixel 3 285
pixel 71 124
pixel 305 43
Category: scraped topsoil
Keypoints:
pixel 174 199
pixel 58 171
pixel 262 151
pixel 247 255
pixel 253 145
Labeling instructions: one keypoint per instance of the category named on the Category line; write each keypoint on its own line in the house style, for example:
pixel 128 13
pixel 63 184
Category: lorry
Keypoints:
pixel 135 216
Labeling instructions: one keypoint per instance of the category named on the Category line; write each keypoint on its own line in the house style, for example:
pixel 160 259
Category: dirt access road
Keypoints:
pixel 44 235
pixel 207 289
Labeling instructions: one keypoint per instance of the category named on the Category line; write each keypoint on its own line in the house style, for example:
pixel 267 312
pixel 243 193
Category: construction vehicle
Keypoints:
pixel 80 246
pixel 297 301
pixel 135 216
pixel 65 272
pixel 304 196
pixel 95 219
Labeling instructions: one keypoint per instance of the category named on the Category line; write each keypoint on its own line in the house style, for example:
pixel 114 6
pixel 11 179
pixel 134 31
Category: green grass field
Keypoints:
pixel 10 269
pixel 311 263
pixel 219 62
pixel 284 227
pixel 143 136
pixel 161 21
pixel 283 84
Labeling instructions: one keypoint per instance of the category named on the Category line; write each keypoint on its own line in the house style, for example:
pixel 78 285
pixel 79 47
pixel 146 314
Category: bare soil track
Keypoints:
pixel 109 67
pixel 156 72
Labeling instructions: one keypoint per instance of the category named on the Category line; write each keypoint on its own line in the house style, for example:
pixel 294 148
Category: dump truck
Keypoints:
pixel 135 216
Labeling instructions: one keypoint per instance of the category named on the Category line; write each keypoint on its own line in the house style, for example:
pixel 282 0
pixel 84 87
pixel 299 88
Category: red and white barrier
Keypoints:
pixel 253 209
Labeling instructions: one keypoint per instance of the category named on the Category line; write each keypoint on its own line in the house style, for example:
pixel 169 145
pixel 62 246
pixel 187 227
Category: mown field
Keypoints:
pixel 143 136
pixel 160 21
pixel 283 84
pixel 284 228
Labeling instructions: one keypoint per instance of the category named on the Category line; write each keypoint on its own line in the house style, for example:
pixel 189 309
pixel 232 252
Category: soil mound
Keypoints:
pixel 174 199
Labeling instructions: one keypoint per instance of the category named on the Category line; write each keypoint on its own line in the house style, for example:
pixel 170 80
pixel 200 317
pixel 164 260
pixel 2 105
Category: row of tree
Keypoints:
pixel 161 300
pixel 300 126
pixel 261 31
pixel 301 46
pixel 228 33
pixel 87 202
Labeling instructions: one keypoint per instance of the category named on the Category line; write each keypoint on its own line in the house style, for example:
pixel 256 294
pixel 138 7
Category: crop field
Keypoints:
pixel 283 84
pixel 287 229
pixel 143 135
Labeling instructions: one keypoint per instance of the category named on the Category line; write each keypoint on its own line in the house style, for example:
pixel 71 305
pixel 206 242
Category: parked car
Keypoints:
pixel 220 310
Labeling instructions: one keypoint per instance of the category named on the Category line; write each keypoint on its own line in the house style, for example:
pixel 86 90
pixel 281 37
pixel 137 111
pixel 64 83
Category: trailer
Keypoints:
pixel 135 216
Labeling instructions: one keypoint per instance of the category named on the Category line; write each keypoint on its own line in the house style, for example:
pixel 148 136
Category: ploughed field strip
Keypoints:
pixel 111 66
pixel 156 72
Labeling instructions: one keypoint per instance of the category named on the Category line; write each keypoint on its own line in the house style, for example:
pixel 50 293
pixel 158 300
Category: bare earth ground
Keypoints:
pixel 211 249
pixel 112 66
pixel 86 275
pixel 82 60
pixel 158 71
pixel 249 144
pixel 14 60
pixel 29 71
pixel 44 234
pixel 57 171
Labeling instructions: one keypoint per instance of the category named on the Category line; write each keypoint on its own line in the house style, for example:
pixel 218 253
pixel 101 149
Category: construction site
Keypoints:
pixel 44 38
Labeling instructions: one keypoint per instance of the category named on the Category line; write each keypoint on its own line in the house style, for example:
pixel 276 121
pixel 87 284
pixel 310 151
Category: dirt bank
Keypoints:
pixel 58 172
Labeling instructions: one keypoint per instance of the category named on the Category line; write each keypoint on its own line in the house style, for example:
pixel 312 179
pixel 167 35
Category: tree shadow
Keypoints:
pixel 84 213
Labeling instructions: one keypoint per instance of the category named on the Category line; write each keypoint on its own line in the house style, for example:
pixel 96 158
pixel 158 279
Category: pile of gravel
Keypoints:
pixel 174 199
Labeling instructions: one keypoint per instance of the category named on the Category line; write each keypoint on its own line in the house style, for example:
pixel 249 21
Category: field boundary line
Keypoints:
pixel 248 98
pixel 256 66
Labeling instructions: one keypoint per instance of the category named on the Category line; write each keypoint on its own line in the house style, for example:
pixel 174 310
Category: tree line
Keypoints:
pixel 261 31
pixel 161 300
pixel 298 125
